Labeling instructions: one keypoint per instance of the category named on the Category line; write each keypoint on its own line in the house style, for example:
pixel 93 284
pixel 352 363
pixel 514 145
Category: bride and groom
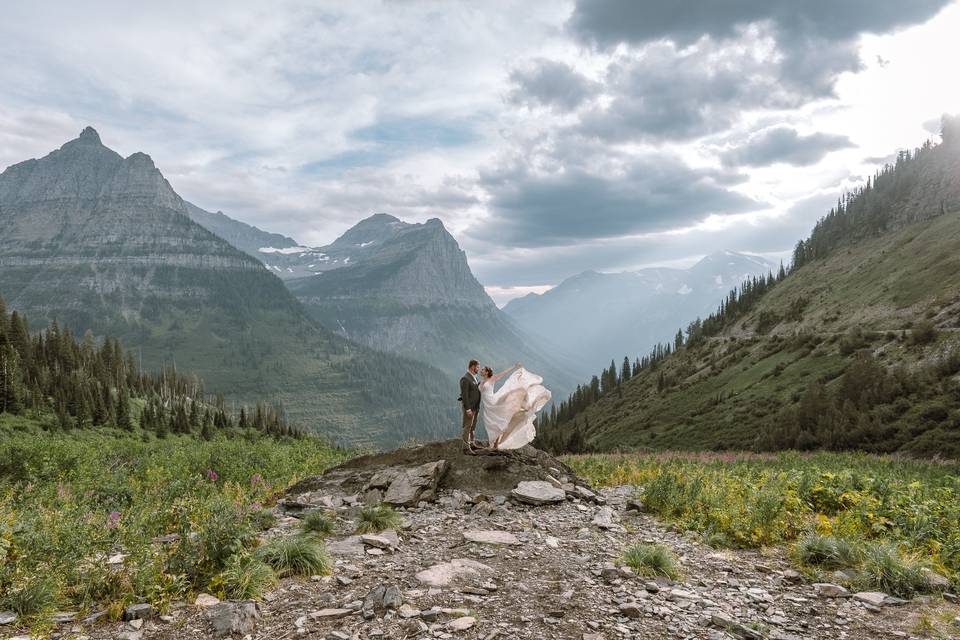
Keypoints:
pixel 508 412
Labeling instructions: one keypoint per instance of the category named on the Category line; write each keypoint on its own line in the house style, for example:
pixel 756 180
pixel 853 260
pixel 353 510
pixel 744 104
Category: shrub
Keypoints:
pixel 651 560
pixel 318 522
pixel 886 569
pixel 35 596
pixel 924 332
pixel 296 556
pixel 377 518
pixel 263 519
pixel 245 578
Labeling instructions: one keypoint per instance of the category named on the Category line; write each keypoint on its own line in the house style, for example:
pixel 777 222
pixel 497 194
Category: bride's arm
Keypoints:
pixel 497 377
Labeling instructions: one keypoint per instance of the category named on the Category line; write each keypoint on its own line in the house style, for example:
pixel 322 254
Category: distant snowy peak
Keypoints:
pixel 283 250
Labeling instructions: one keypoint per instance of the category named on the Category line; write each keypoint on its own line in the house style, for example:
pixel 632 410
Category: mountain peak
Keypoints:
pixel 89 135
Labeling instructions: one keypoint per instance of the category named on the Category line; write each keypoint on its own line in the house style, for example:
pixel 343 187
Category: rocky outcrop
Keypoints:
pixel 407 476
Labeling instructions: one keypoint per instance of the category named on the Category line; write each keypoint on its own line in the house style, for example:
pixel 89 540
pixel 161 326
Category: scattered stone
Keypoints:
pixel 205 601
pixel 377 541
pixel 392 598
pixel 829 590
pixel 349 546
pixel 64 617
pixel 136 611
pixel 332 613
pixel 538 492
pixel 634 505
pixel 725 622
pixel 606 519
pixel 491 537
pixel 875 598
pixel 462 624
pixel 631 610
pixel 167 539
pixel 7 617
pixel 228 618
pixel 792 576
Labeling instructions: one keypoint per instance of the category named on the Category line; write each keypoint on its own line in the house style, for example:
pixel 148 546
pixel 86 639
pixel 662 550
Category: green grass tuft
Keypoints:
pixel 652 560
pixel 318 522
pixel 887 569
pixel 296 556
pixel 827 552
pixel 377 518
pixel 246 578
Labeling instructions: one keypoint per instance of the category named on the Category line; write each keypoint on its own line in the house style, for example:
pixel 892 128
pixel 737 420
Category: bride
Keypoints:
pixel 509 412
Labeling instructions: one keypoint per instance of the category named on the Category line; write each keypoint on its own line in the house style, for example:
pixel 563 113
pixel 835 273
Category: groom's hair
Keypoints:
pixel 472 364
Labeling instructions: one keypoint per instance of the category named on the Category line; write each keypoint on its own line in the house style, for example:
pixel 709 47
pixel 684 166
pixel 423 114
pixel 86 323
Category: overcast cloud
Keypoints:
pixel 549 137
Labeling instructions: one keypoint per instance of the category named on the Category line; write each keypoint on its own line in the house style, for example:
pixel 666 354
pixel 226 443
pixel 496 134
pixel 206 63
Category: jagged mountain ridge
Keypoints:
pixel 103 242
pixel 248 238
pixel 407 288
pixel 600 316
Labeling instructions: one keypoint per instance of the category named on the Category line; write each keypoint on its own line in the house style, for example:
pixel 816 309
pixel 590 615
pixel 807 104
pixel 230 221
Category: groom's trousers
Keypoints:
pixel 469 425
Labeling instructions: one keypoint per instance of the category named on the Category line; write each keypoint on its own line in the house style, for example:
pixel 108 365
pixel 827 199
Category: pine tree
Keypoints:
pixel 123 410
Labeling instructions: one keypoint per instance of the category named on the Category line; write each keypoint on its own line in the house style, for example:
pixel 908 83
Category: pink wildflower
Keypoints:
pixel 212 475
pixel 113 520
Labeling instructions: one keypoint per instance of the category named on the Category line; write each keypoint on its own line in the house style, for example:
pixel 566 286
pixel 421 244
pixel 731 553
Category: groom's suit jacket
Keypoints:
pixel 469 392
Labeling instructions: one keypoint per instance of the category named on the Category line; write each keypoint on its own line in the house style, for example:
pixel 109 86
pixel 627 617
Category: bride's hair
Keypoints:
pixel 487 372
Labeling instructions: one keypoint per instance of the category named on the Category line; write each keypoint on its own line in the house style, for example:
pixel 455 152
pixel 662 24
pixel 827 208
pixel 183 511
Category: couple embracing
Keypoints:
pixel 508 412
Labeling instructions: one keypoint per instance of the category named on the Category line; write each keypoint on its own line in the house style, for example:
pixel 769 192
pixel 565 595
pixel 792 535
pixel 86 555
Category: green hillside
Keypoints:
pixel 858 347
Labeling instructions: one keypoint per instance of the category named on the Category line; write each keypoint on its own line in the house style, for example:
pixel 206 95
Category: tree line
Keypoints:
pixel 75 384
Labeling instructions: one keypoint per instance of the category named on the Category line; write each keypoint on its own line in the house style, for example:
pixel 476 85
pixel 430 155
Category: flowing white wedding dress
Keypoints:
pixel 509 412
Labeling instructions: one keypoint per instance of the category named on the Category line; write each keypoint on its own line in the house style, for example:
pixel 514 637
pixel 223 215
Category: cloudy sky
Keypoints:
pixel 550 137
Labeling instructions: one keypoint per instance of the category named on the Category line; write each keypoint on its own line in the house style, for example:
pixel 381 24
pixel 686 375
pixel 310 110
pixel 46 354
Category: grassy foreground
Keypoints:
pixel 867 521
pixel 80 514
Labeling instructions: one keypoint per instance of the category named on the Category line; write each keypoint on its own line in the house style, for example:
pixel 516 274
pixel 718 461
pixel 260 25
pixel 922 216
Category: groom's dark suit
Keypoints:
pixel 470 399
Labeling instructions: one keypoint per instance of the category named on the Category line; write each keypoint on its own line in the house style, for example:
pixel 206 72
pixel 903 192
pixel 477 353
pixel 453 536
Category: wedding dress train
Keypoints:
pixel 509 412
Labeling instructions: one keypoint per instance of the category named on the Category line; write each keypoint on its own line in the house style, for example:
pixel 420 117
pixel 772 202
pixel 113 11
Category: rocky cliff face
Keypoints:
pixel 408 289
pixel 103 242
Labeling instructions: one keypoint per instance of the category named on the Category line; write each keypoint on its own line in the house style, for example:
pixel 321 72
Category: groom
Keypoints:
pixel 470 399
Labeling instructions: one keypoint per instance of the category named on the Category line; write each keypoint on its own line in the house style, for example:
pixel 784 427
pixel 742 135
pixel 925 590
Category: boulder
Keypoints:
pixel 538 492
pixel 411 485
pixel 228 618
pixel 446 573
pixel 7 617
